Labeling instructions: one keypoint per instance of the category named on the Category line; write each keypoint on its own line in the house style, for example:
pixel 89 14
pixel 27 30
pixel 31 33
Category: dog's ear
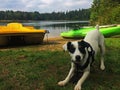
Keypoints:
pixel 84 45
pixel 65 46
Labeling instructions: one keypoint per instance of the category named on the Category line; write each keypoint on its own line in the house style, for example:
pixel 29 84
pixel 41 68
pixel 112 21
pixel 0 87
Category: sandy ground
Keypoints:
pixel 48 44
pixel 54 43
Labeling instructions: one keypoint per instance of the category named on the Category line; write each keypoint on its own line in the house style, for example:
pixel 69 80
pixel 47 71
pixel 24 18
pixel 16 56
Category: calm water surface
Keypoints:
pixel 55 27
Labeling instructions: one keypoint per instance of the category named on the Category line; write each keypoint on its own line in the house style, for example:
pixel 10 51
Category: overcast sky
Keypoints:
pixel 44 6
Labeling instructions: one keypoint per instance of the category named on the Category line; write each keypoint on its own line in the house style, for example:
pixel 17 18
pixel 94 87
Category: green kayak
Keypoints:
pixel 80 33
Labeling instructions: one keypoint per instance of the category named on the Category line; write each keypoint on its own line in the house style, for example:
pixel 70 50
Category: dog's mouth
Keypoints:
pixel 79 62
pixel 76 62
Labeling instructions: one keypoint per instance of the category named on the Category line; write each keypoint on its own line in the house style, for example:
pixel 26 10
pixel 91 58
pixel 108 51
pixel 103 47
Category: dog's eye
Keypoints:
pixel 72 49
pixel 82 50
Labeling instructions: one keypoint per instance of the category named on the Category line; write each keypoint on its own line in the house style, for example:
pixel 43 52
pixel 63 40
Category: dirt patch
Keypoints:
pixel 55 43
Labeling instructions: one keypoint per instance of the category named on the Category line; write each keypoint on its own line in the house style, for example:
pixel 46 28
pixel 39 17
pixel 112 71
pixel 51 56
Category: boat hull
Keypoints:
pixel 21 39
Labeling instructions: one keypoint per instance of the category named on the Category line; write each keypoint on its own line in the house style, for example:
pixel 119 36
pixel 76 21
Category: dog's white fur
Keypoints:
pixel 96 40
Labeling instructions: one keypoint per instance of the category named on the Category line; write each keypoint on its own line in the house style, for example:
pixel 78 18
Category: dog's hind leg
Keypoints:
pixel 102 53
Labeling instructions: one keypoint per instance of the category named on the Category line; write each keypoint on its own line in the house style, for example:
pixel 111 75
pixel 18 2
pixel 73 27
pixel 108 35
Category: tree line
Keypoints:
pixel 81 14
pixel 105 12
pixel 19 15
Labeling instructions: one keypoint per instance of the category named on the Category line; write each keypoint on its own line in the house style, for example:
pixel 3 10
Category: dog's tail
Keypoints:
pixel 97 27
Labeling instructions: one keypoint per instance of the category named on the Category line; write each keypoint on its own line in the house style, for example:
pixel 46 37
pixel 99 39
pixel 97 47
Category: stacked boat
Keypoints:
pixel 107 31
pixel 16 33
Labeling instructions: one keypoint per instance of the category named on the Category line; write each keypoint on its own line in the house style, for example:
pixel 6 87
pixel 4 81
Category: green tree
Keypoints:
pixel 105 12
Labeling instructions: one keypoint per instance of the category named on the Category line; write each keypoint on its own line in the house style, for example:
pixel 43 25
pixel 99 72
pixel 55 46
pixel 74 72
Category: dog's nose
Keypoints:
pixel 78 58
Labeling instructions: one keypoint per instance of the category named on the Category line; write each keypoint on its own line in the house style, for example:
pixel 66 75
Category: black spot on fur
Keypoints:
pixel 81 46
pixel 70 47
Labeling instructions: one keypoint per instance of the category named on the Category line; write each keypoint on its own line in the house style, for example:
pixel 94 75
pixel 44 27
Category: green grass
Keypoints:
pixel 22 69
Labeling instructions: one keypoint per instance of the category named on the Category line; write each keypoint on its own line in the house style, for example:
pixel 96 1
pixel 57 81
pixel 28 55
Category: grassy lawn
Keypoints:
pixel 27 69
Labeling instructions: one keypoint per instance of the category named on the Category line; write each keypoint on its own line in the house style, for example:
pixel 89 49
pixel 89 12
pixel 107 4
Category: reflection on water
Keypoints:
pixel 55 27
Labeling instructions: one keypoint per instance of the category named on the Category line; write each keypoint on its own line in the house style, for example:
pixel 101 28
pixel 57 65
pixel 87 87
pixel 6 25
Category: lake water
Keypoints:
pixel 55 27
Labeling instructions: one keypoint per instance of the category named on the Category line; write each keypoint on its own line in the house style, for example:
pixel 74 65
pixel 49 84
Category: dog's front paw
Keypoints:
pixel 77 87
pixel 102 67
pixel 62 83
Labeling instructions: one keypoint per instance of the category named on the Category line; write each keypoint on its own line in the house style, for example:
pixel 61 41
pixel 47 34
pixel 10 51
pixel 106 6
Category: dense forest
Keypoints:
pixel 81 14
pixel 105 12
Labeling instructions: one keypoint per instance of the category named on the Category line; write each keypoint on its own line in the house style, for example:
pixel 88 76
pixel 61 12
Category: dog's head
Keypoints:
pixel 78 50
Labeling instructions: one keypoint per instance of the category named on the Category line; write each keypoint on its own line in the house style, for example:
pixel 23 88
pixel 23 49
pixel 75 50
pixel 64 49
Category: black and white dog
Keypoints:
pixel 82 55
